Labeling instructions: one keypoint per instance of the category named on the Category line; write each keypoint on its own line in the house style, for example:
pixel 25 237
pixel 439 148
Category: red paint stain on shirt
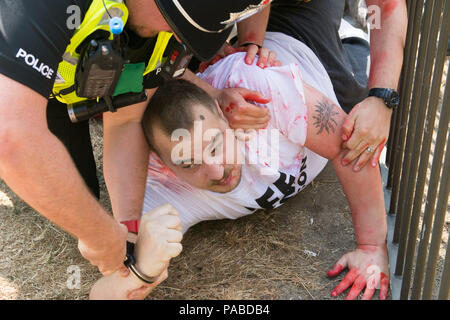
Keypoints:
pixel 297 118
pixel 238 83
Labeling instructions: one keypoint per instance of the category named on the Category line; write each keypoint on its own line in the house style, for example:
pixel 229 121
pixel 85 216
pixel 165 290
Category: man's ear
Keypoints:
pixel 219 110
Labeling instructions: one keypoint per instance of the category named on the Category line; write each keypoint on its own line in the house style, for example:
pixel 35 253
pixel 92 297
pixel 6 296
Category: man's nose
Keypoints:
pixel 214 171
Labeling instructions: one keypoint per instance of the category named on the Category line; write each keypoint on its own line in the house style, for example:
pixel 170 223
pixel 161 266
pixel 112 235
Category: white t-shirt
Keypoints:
pixel 266 182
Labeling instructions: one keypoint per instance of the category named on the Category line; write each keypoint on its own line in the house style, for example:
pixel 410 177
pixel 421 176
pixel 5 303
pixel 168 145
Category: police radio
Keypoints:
pixel 100 66
pixel 178 58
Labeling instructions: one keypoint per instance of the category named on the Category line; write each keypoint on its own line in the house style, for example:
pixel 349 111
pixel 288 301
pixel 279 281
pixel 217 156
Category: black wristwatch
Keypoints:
pixel 390 97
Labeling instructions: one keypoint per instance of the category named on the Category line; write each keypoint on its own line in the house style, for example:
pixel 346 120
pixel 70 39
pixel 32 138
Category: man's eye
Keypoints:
pixel 188 166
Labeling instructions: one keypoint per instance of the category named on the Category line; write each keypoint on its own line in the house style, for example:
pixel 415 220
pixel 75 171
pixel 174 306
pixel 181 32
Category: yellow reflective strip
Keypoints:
pixel 158 51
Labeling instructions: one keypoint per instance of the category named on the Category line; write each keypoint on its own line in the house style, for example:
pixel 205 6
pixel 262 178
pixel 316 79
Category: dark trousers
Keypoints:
pixel 77 139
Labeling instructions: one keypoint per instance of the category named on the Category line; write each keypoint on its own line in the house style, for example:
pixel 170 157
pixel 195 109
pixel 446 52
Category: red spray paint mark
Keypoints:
pixel 229 108
pixel 335 271
pixel 389 7
pixel 297 118
pixel 251 37
pixel 238 83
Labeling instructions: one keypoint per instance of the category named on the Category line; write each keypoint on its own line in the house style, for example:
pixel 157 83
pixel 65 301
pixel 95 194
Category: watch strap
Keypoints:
pixel 389 96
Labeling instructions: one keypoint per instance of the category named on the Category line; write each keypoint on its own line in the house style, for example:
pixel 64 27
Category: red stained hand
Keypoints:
pixel 240 113
pixel 368 268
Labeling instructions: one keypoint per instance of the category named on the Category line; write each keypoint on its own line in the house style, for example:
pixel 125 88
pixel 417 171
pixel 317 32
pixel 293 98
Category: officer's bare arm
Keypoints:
pixel 36 165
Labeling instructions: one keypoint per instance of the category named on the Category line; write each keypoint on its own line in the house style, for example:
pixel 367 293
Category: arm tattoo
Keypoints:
pixel 324 117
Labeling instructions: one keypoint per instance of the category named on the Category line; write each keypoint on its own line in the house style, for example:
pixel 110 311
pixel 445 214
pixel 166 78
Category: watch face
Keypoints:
pixel 394 100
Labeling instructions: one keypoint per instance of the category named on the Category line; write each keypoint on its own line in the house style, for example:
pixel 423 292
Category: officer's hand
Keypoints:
pixel 240 113
pixel 159 240
pixel 266 57
pixel 109 257
pixel 366 126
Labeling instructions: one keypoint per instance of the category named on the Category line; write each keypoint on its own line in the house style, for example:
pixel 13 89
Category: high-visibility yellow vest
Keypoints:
pixel 97 18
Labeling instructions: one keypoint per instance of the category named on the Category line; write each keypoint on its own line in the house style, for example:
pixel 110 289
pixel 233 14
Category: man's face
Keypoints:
pixel 145 19
pixel 208 141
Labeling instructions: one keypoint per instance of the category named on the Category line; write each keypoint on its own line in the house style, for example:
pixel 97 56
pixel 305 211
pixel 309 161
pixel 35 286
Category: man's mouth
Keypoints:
pixel 226 179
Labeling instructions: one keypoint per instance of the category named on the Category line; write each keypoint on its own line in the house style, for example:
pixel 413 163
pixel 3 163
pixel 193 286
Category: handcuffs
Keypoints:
pixel 130 260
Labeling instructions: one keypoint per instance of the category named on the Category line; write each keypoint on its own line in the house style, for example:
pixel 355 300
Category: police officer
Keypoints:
pixel 37 56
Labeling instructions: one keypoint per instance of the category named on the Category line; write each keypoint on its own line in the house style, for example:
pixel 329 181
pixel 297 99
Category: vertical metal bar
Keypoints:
pixel 421 139
pixel 438 226
pixel 437 160
pixel 394 132
pixel 444 290
pixel 409 168
pixel 411 54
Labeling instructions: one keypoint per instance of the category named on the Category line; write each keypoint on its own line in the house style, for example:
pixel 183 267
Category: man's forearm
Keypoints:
pixel 125 160
pixel 387 43
pixel 253 29
pixel 39 169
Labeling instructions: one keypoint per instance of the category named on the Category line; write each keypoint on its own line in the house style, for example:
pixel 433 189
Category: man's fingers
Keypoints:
pixel 249 120
pixel 347 128
pixel 247 127
pixel 174 249
pixel 384 286
pixel 169 221
pixel 255 96
pixel 357 287
pixel 368 293
pixel 272 58
pixel 107 271
pixel 376 155
pixel 362 160
pixel 252 50
pixel 337 269
pixel 124 272
pixel 160 211
pixel 173 236
pixel 278 63
pixel 354 140
pixel 263 57
pixel 350 277
pixel 354 153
